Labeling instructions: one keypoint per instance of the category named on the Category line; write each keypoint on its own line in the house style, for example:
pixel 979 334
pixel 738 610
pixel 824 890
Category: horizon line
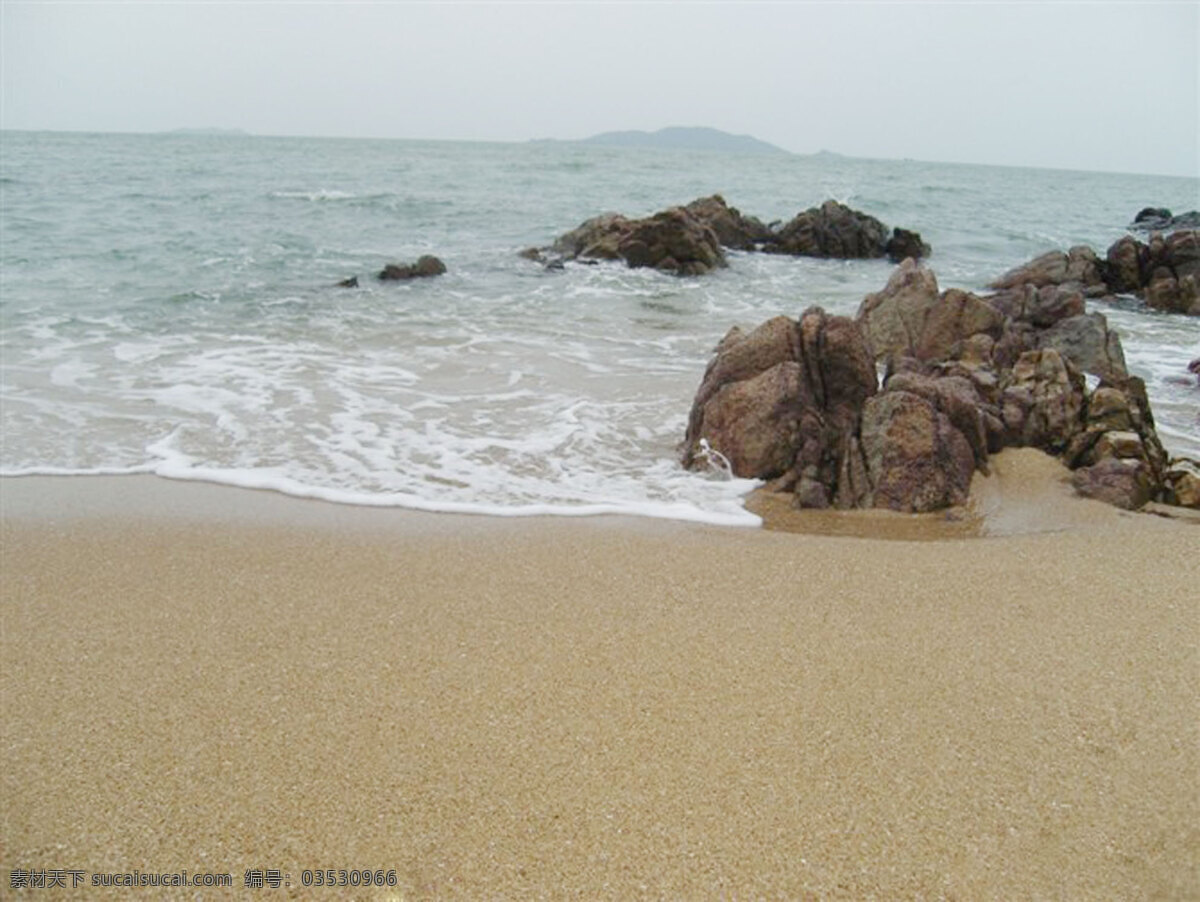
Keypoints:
pixel 234 132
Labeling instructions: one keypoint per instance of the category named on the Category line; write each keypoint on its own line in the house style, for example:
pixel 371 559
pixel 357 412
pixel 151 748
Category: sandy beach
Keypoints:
pixel 221 680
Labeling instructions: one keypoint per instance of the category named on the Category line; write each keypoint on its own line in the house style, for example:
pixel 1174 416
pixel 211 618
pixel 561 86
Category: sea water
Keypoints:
pixel 169 306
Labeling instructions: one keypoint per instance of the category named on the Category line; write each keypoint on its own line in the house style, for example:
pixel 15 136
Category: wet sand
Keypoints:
pixel 216 679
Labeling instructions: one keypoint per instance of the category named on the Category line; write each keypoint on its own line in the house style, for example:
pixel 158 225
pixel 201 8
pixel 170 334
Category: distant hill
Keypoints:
pixel 678 138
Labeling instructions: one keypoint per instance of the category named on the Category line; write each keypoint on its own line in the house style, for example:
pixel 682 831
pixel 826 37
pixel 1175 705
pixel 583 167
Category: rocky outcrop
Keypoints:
pixel 1165 271
pixel 1088 342
pixel 673 241
pixel 913 456
pixel 1172 281
pixel 909 318
pixel 796 402
pixel 894 318
pixel 1118 457
pixel 425 267
pixel 1077 267
pixel 688 240
pixel 1042 401
pixel 831 230
pixel 733 230
pixel 596 238
pixel 780 402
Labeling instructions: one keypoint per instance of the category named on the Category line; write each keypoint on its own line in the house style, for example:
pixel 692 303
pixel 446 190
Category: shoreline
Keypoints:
pixel 1027 492
pixel 216 679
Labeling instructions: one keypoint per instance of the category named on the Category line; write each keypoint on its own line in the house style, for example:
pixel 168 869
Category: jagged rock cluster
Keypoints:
pixel 796 402
pixel 672 241
pixel 1165 272
pixel 690 240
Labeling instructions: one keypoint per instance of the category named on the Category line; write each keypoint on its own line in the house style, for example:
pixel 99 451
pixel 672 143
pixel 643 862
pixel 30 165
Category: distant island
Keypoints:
pixel 680 138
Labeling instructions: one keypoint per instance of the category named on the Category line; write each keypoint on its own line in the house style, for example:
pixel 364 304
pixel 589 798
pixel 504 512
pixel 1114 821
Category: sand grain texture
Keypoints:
pixel 604 708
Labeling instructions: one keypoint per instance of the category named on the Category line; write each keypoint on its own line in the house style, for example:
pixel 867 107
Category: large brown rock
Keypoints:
pixel 831 230
pixel 753 423
pixel 1173 283
pixel 1126 262
pixel 1088 343
pixel 910 319
pixel 1078 266
pixel 953 321
pixel 894 318
pixel 962 403
pixel 781 401
pixel 1042 401
pixel 743 356
pixel 732 229
pixel 673 241
pixel 595 239
pixel 1122 482
pixel 796 403
pixel 915 459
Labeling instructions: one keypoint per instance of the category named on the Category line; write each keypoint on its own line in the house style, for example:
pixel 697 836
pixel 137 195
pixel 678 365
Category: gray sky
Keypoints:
pixel 1107 86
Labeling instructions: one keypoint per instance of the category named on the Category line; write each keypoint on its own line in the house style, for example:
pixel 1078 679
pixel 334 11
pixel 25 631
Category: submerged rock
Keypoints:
pixel 425 267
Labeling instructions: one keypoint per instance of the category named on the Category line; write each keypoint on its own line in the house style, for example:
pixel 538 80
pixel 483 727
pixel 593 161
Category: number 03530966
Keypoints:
pixel 348 877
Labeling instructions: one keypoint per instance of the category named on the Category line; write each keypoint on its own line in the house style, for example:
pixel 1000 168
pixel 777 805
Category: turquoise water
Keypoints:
pixel 167 307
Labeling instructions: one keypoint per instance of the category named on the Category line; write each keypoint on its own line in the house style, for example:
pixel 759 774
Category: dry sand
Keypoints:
pixel 217 680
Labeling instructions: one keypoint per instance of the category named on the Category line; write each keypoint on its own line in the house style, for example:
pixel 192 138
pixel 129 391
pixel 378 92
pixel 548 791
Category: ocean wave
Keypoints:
pixel 317 196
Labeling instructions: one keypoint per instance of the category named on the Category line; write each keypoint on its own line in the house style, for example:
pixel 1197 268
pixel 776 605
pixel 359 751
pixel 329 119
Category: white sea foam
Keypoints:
pixel 321 194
